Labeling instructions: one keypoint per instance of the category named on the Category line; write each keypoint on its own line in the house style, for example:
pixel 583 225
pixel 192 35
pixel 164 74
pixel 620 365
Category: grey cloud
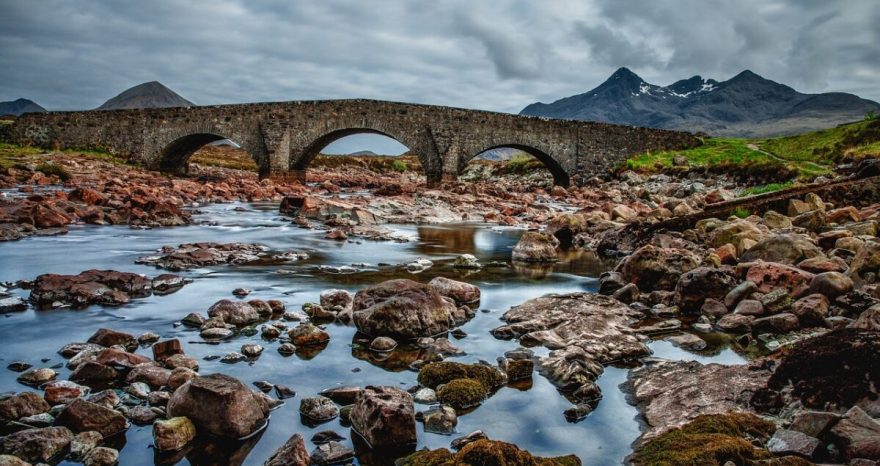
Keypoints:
pixel 490 55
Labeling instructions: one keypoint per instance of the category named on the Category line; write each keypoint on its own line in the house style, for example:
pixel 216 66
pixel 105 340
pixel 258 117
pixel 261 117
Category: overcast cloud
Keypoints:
pixel 499 55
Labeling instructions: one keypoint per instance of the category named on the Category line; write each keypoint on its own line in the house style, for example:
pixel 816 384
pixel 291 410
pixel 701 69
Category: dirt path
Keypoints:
pixel 773 156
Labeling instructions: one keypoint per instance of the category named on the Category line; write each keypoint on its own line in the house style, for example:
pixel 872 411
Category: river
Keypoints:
pixel 529 417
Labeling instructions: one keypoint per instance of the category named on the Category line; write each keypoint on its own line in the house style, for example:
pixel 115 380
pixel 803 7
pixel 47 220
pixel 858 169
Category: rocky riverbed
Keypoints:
pixel 365 318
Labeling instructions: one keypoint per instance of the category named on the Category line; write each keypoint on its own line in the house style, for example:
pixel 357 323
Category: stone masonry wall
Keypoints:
pixel 285 136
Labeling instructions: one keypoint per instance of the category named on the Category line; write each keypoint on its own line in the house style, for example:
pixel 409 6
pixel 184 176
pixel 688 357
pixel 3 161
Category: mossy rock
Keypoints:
pixel 713 440
pixel 438 373
pixel 484 453
pixel 462 393
pixel 839 368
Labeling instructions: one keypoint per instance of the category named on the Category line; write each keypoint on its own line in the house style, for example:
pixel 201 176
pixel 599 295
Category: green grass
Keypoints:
pixel 766 188
pixel 714 151
pixel 741 212
pixel 522 162
pixel 827 146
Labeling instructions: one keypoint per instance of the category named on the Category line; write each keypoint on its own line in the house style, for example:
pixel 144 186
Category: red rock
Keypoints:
pixel 771 275
pixel 83 416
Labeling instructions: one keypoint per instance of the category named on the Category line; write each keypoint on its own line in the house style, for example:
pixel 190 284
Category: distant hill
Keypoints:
pixel 147 95
pixel 367 153
pixel 19 106
pixel 746 105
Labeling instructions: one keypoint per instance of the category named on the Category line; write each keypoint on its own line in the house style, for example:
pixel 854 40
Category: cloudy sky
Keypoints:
pixel 493 55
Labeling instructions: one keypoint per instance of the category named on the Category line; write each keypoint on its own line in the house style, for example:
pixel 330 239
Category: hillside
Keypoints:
pixel 746 105
pixel 779 159
pixel 19 106
pixel 147 95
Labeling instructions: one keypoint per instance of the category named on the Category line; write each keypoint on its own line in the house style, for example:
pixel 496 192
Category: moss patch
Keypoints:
pixel 484 453
pixel 837 368
pixel 462 393
pixel 438 373
pixel 708 440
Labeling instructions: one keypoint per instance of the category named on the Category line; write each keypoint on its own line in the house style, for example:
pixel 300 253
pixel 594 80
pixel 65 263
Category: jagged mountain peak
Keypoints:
pixel 744 105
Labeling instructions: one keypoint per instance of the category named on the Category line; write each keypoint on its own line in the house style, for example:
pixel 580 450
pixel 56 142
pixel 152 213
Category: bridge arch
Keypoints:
pixel 560 176
pixel 173 149
pixel 314 143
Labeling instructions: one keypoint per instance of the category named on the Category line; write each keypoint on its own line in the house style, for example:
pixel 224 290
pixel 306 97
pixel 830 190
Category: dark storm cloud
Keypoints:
pixel 491 55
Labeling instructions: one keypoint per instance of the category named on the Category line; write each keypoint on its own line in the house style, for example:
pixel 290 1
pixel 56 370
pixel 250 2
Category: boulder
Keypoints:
pixel 384 417
pixel 218 404
pixel 460 292
pixel 779 323
pixel 831 284
pixel 318 409
pixel 652 268
pixel 234 312
pixel 787 248
pixel 22 405
pixel 82 416
pixel 743 234
pixel 107 338
pixel 401 309
pixel 811 310
pixel 535 247
pixel 173 434
pixel 102 456
pixel 700 283
pixel 292 453
pixel 336 299
pixel 307 334
pixel 859 434
pixel 792 442
pixel 37 445
pixel 771 275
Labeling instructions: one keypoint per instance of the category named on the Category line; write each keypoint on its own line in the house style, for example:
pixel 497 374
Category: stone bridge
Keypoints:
pixel 284 137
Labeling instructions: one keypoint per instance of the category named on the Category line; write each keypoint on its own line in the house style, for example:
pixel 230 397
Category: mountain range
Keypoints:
pixel 19 106
pixel 147 95
pixel 746 105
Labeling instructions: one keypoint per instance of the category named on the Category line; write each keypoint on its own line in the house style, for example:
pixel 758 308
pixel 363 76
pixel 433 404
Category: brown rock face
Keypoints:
pixel 535 247
pixel 695 286
pixel 107 337
pixel 234 312
pixel 82 416
pixel 669 394
pixel 652 268
pixel 21 405
pixel 219 405
pixel 107 287
pixel 401 309
pixel 384 416
pixel 292 453
pixel 859 434
pixel 37 445
pixel 460 292
pixel 771 275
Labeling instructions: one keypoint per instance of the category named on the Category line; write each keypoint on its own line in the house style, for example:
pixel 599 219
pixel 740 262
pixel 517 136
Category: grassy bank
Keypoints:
pixel 776 161
pixel 12 155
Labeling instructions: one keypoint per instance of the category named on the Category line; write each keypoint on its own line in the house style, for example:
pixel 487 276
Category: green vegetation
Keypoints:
pixel 871 115
pixel 399 166
pixel 766 188
pixel 462 393
pixel 522 163
pixel 438 373
pixel 776 162
pixel 50 169
pixel 712 440
pixel 224 157
pixel 741 212
pixel 484 453
pixel 828 146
